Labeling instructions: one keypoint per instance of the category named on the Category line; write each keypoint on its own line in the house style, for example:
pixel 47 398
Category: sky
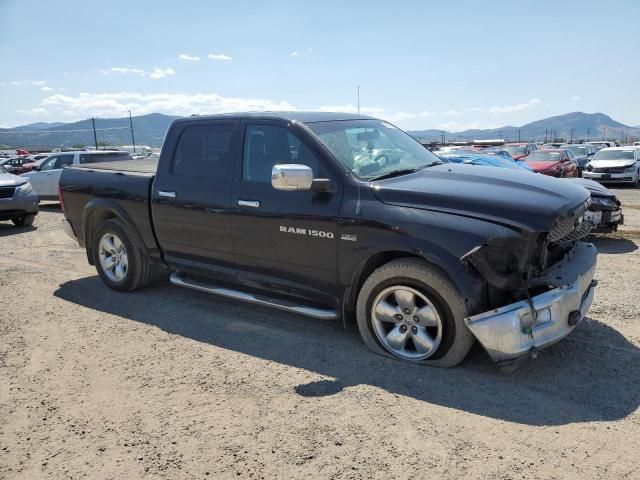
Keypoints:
pixel 449 65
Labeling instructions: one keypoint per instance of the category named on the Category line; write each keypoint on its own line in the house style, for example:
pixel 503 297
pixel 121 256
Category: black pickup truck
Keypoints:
pixel 344 216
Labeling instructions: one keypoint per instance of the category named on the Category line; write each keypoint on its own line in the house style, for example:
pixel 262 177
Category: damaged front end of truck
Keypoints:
pixel 539 286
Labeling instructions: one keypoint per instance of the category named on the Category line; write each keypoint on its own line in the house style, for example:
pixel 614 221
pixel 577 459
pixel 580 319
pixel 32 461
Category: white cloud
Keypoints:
pixel 35 111
pixel 161 72
pixel 125 71
pixel 219 56
pixel 450 113
pixel 427 114
pixel 515 108
pixel 189 58
pixel 37 83
pixel 399 116
pixel 114 104
pixel 294 53
pixel 351 109
pixel 576 98
pixel 46 89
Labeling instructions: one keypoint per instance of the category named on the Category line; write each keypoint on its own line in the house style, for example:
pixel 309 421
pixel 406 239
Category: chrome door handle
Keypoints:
pixel 249 203
pixel 165 194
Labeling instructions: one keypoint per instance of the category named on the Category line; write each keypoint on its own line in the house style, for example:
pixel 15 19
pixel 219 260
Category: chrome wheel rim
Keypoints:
pixel 113 257
pixel 406 323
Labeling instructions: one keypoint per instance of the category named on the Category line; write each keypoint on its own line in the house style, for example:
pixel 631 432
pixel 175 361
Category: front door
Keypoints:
pixel 191 197
pixel 284 240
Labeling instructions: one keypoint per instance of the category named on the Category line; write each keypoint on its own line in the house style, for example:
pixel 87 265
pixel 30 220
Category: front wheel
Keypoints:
pixel 23 221
pixel 121 264
pixel 411 311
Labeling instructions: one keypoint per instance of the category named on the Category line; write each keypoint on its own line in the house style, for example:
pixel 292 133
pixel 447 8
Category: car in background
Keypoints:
pixel 617 164
pixel 482 159
pixel 636 144
pixel 17 165
pixel 582 153
pixel 497 151
pixel 18 201
pixel 558 162
pixel 47 175
pixel 599 145
pixel 520 150
pixel 605 210
pixel 551 145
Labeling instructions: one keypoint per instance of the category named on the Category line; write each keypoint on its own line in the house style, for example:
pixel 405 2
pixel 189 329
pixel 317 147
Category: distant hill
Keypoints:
pixel 592 125
pixel 150 130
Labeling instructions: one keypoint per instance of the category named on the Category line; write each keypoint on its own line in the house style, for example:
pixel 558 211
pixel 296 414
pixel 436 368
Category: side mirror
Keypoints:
pixel 291 176
pixel 35 168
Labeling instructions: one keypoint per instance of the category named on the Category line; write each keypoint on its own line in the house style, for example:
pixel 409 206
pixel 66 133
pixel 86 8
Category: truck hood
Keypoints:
pixel 595 188
pixel 509 197
pixel 612 163
pixel 10 180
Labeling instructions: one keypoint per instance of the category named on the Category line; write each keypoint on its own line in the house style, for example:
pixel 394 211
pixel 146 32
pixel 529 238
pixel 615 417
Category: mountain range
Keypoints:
pixel 150 130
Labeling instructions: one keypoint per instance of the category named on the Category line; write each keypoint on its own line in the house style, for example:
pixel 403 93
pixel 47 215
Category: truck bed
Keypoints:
pixel 141 166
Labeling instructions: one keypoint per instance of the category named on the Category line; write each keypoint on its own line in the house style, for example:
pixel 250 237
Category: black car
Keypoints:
pixel 301 212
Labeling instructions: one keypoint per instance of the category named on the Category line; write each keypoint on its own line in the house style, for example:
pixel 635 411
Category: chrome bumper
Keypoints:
pixel 68 229
pixel 510 332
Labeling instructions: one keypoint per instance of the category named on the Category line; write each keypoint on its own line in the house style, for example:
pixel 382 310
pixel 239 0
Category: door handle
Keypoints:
pixel 249 203
pixel 165 194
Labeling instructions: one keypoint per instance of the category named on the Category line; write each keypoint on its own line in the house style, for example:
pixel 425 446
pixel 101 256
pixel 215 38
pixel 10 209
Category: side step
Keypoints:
pixel 313 312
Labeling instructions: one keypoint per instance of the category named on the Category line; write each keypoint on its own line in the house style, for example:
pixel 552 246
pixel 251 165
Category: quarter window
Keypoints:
pixel 204 151
pixel 49 164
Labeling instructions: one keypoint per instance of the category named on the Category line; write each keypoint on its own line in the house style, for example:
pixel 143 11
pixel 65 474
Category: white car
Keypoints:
pixel 618 164
pixel 45 179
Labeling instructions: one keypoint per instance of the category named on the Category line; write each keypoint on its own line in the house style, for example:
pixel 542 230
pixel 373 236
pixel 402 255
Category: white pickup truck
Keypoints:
pixel 44 179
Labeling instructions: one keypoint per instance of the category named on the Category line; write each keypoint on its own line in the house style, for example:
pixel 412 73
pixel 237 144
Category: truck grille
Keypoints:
pixel 7 192
pixel 572 227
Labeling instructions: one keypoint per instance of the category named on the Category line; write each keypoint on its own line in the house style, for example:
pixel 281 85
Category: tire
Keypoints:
pixel 24 220
pixel 138 270
pixel 451 339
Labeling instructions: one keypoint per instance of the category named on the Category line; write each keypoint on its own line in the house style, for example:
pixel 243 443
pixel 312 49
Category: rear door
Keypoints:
pixel 50 187
pixel 40 179
pixel 191 196
pixel 284 240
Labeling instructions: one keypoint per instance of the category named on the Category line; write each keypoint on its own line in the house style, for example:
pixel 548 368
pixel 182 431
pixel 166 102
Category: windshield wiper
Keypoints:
pixel 393 173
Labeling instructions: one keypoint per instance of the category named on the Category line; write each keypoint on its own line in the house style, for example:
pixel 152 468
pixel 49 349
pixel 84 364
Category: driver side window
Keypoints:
pixel 48 164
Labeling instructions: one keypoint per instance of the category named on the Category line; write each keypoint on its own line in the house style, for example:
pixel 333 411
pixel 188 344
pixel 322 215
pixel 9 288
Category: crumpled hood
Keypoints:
pixel 515 198
pixel 612 163
pixel 594 188
pixel 10 180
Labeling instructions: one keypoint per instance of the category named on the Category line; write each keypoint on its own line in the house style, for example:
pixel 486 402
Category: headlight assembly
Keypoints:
pixel 24 189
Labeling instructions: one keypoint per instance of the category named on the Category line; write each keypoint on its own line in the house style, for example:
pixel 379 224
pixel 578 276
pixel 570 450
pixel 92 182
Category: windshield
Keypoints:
pixel 576 149
pixel 544 156
pixel 607 154
pixel 371 148
pixel 515 149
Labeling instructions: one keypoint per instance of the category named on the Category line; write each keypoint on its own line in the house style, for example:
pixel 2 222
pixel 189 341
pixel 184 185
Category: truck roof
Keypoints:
pixel 303 117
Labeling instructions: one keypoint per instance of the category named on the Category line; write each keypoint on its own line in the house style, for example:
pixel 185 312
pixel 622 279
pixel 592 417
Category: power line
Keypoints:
pixel 34 132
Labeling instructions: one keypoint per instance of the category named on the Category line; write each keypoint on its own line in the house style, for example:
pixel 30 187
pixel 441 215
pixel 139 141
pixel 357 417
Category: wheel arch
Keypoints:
pixel 97 211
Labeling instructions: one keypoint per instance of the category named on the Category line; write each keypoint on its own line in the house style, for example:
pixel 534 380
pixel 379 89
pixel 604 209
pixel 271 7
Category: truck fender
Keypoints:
pixel 99 209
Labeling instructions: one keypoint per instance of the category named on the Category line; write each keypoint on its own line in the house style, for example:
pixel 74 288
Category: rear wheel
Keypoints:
pixel 409 310
pixel 23 220
pixel 121 264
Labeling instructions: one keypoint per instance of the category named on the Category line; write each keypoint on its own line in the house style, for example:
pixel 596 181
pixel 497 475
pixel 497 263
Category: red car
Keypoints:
pixel 17 165
pixel 520 150
pixel 555 162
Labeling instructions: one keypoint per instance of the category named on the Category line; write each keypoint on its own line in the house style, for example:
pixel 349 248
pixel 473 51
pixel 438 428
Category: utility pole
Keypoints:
pixel 572 130
pixel 604 132
pixel 358 99
pixel 518 135
pixel 500 134
pixel 588 133
pixel 133 140
pixel 95 137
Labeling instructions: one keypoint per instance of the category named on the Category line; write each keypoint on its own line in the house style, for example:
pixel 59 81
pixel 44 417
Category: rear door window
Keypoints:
pixel 64 161
pixel 104 157
pixel 204 151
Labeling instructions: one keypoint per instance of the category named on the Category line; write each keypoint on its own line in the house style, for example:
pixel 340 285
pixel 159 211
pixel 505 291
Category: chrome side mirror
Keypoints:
pixel 291 176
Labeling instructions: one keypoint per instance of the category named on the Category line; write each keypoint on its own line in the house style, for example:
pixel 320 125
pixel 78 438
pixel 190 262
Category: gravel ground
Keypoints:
pixel 170 383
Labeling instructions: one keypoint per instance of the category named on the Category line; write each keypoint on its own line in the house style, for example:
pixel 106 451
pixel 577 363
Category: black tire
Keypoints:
pixel 140 270
pixel 24 220
pixel 456 340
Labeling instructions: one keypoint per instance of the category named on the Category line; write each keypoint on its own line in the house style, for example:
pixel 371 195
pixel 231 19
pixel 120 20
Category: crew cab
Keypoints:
pixel 45 177
pixel 310 213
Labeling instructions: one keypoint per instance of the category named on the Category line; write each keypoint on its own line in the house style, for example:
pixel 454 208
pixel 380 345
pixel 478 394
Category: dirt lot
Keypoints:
pixel 169 383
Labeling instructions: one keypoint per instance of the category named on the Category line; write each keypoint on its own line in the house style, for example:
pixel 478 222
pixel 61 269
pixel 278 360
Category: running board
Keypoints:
pixel 312 312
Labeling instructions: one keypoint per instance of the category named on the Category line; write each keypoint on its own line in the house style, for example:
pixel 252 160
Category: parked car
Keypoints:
pixel 473 158
pixel 551 145
pixel 599 145
pixel 497 151
pixel 17 165
pixel 425 255
pixel 45 177
pixel 618 164
pixel 582 153
pixel 557 162
pixel 520 150
pixel 18 202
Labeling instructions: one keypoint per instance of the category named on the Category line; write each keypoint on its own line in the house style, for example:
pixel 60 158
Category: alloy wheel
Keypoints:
pixel 113 257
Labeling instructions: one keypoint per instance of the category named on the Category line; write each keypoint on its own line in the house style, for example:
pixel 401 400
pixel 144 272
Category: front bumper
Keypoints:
pixel 511 332
pixel 18 205
pixel 626 177
pixel 605 221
